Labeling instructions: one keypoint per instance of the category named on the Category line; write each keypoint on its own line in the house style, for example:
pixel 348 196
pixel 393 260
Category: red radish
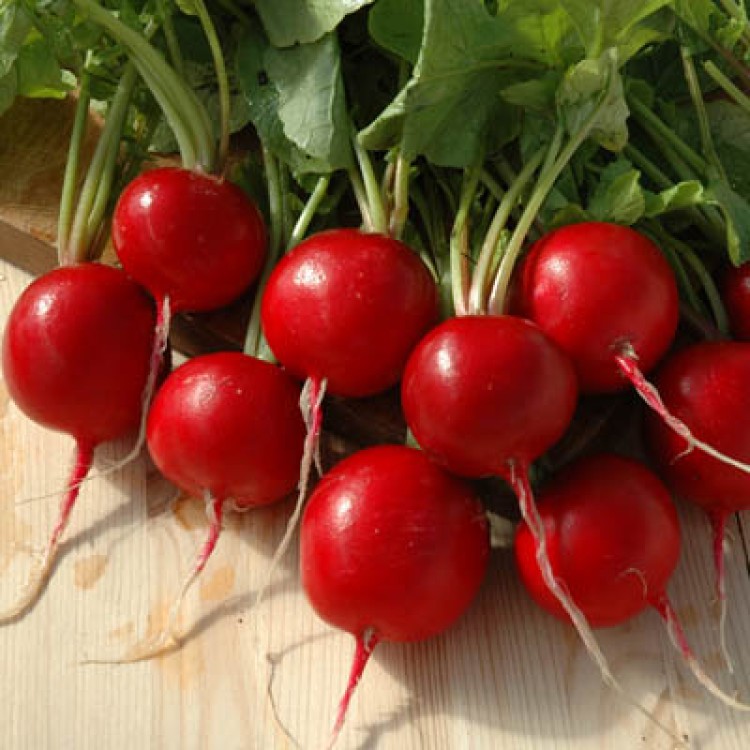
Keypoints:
pixel 76 359
pixel 607 296
pixel 487 395
pixel 194 238
pixel 343 309
pixel 228 427
pixel 736 297
pixel 706 386
pixel 600 290
pixel 391 548
pixel 348 307
pixel 614 538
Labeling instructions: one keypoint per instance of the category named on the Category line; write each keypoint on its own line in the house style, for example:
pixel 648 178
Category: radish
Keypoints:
pixel 736 296
pixel 614 538
pixel 606 295
pixel 706 386
pixel 347 307
pixel 76 359
pixel 224 426
pixel 601 292
pixel 392 548
pixel 190 238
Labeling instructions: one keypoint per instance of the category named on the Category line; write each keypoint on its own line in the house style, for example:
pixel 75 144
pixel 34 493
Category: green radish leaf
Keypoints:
pixel 187 7
pixel 296 101
pixel 15 25
pixel 537 95
pixel 397 26
pixel 730 126
pixel 467 57
pixel 580 96
pixel 289 22
pixel 627 25
pixel 618 196
pixel 736 212
pixel 38 73
pixel 682 195
pixel 707 22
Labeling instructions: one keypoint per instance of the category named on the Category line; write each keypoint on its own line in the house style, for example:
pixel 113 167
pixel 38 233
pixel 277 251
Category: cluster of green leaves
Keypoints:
pixel 640 107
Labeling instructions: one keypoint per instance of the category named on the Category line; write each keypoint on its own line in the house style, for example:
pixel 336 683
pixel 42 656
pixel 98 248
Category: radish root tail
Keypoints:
pixel 366 643
pixel 627 361
pixel 518 478
pixel 169 638
pixel 718 526
pixel 680 642
pixel 41 569
pixel 311 401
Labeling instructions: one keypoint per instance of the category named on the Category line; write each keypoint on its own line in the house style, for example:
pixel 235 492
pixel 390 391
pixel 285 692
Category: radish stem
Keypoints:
pixel 222 81
pixel 376 209
pixel 186 115
pixel 459 242
pixel 479 281
pixel 71 166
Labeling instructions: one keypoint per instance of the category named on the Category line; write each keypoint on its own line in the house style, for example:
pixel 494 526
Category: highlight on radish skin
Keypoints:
pixel 613 332
pixel 357 523
pixel 706 386
pixel 614 540
pixel 76 359
pixel 223 426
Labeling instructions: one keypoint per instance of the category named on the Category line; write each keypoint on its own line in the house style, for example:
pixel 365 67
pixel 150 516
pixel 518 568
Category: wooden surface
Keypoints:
pixel 506 677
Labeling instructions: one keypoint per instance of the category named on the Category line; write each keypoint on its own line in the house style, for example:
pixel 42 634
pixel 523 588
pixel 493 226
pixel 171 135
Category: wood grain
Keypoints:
pixel 507 677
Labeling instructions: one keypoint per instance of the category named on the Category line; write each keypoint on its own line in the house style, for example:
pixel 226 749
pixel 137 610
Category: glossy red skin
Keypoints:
pixel 594 287
pixel 231 425
pixel 76 351
pixel 349 307
pixel 480 391
pixel 736 296
pixel 613 538
pixel 707 386
pixel 390 541
pixel 194 237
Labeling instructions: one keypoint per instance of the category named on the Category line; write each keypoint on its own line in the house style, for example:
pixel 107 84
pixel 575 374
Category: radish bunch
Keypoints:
pixel 394 542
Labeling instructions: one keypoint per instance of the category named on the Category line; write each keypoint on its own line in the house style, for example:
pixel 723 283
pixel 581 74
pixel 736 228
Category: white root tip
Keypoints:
pixel 679 641
pixel 169 638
